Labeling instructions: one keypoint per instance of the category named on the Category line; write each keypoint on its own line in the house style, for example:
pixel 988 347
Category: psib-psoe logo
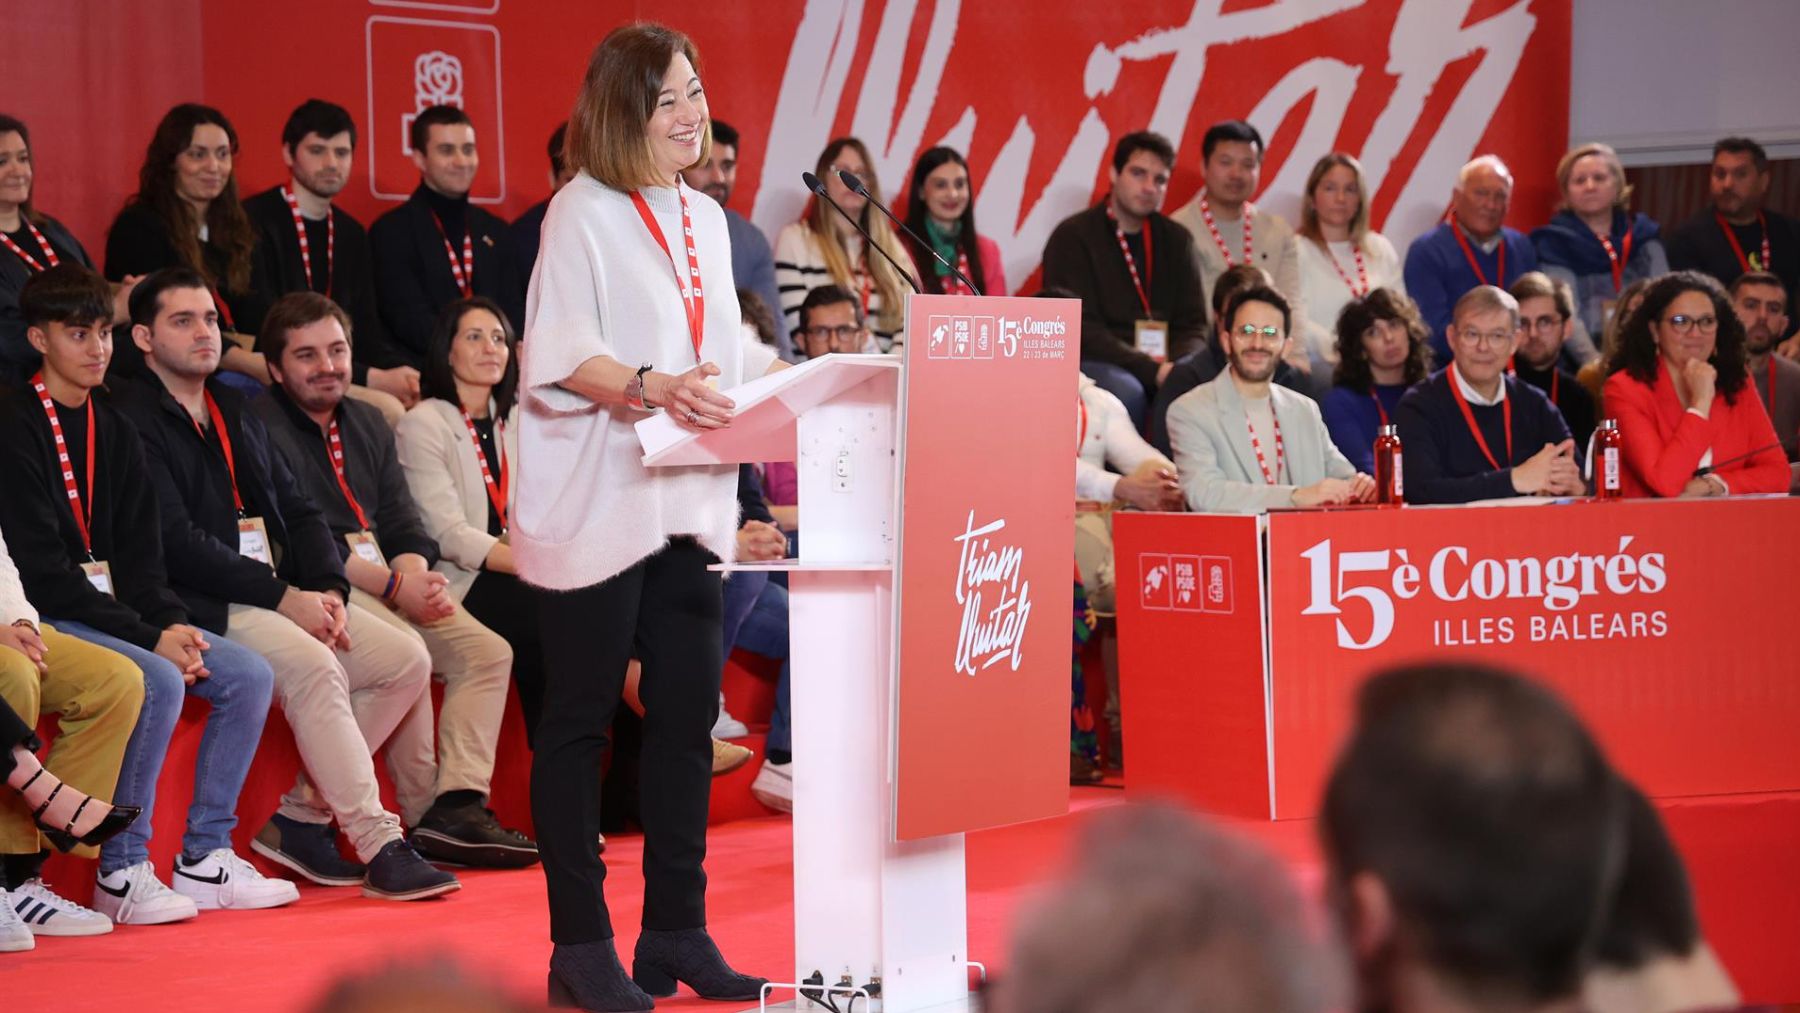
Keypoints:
pixel 1177 583
pixel 1378 578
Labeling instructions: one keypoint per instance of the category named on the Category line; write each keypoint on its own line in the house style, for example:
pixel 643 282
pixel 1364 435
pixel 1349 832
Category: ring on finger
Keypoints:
pixel 693 417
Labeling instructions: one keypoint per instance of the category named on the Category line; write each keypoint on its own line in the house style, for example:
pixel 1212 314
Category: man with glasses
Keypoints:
pixel 1472 432
pixel 1472 247
pixel 1243 445
pixel 831 321
pixel 1546 319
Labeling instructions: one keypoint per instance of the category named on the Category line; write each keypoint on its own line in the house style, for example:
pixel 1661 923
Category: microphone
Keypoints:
pixel 856 186
pixel 1716 465
pixel 818 188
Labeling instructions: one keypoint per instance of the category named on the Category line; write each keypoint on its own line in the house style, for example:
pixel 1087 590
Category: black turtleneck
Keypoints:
pixel 1569 396
pixel 413 277
pixel 451 212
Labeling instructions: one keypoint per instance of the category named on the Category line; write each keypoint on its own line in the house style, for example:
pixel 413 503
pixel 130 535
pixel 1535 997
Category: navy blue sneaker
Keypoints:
pixel 309 849
pixel 398 873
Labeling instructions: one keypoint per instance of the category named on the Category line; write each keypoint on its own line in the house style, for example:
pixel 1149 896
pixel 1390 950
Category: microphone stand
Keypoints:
pixel 818 188
pixel 856 185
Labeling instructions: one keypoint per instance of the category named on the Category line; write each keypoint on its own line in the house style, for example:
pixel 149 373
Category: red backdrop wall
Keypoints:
pixel 1035 94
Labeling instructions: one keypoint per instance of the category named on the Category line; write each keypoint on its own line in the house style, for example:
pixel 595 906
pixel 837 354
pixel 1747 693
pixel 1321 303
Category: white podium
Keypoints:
pixel 868 909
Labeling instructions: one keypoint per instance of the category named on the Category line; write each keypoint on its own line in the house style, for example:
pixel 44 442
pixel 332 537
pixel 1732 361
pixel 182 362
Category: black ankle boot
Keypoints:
pixel 688 956
pixel 589 976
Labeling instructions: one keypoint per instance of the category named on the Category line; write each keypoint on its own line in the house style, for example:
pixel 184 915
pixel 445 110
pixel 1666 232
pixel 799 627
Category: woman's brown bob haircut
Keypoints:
pixel 609 126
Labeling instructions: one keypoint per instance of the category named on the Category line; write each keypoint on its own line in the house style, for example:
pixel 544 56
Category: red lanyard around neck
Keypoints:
pixel 1468 415
pixel 335 446
pixel 692 295
pixel 496 490
pixel 1249 216
pixel 1269 477
pixel 1141 283
pixel 464 270
pixel 43 245
pixel 293 204
pixel 84 518
pixel 1469 255
pixel 1762 223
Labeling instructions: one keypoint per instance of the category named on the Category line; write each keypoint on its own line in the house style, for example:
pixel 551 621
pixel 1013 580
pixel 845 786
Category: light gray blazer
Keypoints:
pixel 444 474
pixel 1217 465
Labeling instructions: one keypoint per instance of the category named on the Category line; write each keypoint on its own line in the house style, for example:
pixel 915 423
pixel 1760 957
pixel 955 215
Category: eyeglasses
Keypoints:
pixel 1268 332
pixel 1544 323
pixel 1490 339
pixel 842 332
pixel 1685 324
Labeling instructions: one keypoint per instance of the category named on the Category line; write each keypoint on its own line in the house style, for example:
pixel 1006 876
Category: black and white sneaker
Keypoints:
pixel 46 913
pixel 470 835
pixel 398 873
pixel 309 849
pixel 223 881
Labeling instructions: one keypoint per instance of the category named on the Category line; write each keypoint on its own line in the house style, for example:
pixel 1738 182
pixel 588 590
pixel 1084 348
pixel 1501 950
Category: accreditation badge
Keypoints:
pixel 253 540
pixel 99 574
pixel 363 544
pixel 1152 339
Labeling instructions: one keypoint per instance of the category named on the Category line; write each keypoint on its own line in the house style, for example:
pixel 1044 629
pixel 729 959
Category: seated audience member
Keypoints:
pixel 96 693
pixel 253 561
pixel 1134 269
pixel 1472 247
pixel 1593 375
pixel 438 247
pixel 1680 388
pixel 1231 451
pixel 1229 229
pixel 1651 957
pixel 1738 233
pixel 1165 911
pixel 822 248
pixel 34 242
pixel 758 320
pixel 831 320
pixel 755 619
pixel 940 206
pixel 1546 319
pixel 752 260
pixel 306 243
pixel 186 214
pixel 1208 357
pixel 1761 305
pixel 81 517
pixel 1381 353
pixel 1594 243
pixel 527 230
pixel 1470 431
pixel 342 455
pixel 1472 833
pixel 1341 258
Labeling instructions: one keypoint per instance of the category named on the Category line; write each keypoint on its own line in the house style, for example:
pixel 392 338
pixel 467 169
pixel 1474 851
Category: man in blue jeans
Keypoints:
pixel 80 515
pixel 756 619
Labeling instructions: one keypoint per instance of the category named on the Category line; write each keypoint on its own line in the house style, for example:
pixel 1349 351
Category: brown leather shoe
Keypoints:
pixel 729 756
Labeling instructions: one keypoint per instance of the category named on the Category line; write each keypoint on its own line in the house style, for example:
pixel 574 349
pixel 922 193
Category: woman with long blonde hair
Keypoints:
pixel 824 249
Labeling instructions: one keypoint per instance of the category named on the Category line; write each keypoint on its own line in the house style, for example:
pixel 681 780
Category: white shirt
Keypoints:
pixel 1474 396
pixel 1109 438
pixel 587 508
pixel 13 604
pixel 1326 292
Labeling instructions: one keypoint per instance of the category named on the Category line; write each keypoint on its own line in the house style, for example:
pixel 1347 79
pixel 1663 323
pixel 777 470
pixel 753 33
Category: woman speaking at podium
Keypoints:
pixel 631 311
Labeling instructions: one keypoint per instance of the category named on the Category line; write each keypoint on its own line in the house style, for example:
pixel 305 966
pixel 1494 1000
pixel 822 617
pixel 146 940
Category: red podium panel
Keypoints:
pixel 986 550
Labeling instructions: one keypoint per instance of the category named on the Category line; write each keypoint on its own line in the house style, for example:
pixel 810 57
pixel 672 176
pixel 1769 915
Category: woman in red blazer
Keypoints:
pixel 1679 385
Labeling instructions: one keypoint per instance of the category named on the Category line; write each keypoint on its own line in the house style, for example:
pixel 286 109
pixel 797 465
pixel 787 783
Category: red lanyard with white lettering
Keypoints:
pixel 691 293
pixel 464 270
pixel 1256 444
pixel 30 261
pixel 496 490
pixel 1469 254
pixel 1249 215
pixel 83 520
pixel 218 422
pixel 336 448
pixel 1762 222
pixel 1619 260
pixel 330 240
pixel 1362 271
pixel 1469 417
pixel 1143 283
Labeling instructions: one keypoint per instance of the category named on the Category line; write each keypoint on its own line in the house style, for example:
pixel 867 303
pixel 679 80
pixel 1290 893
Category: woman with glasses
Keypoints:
pixel 1680 388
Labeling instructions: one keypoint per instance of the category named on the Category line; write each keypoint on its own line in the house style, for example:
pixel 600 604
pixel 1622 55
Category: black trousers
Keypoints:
pixel 666 612
pixel 14 732
pixel 508 606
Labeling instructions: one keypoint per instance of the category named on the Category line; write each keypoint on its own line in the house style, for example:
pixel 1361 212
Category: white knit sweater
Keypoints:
pixel 587 507
pixel 1327 293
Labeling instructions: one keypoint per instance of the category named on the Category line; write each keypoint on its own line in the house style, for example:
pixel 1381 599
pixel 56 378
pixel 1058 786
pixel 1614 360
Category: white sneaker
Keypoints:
pixel 47 914
pixel 774 786
pixel 134 896
pixel 14 936
pixel 222 880
pixel 728 727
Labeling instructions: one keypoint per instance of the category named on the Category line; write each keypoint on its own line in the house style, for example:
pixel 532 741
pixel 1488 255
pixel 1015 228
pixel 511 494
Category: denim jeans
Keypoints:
pixel 238 690
pixel 1119 381
pixel 765 631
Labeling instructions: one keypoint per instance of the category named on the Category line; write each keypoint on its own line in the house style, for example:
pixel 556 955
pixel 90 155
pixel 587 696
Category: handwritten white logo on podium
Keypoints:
pixel 990 634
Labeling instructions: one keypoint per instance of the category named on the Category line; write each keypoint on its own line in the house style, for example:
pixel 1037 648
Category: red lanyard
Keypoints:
pixel 1762 223
pixel 952 284
pixel 496 490
pixel 225 320
pixel 1469 254
pixel 331 242
pixel 1469 417
pixel 218 422
pixel 1081 434
pixel 1141 284
pixel 1362 271
pixel 84 520
pixel 868 281
pixel 1256 445
pixel 336 447
pixel 1379 407
pixel 1555 380
pixel 464 270
pixel 1619 260
pixel 691 293
pixel 49 252
pixel 1249 215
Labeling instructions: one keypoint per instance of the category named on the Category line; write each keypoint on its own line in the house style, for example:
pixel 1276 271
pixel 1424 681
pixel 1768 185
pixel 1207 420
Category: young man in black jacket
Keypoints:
pixel 252 560
pixel 81 518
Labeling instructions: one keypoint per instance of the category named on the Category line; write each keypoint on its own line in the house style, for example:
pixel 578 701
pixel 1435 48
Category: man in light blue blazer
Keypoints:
pixel 1243 445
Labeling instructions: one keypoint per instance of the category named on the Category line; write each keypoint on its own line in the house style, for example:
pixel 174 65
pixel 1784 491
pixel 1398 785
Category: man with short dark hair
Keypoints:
pixel 1737 233
pixel 752 260
pixel 831 320
pixel 1546 319
pixel 1143 304
pixel 306 243
pixel 1473 833
pixel 344 458
pixel 1761 303
pixel 528 230
pixel 1472 247
pixel 438 246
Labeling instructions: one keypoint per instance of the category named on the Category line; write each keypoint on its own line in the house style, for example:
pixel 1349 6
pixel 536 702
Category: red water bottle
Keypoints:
pixel 1607 443
pixel 1390 487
